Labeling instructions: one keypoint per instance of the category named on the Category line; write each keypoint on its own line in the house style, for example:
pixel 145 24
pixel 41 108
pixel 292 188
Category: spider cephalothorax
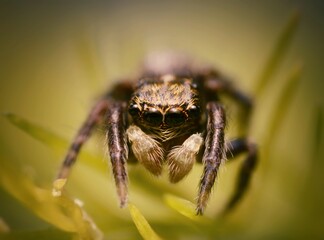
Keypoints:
pixel 171 115
pixel 165 106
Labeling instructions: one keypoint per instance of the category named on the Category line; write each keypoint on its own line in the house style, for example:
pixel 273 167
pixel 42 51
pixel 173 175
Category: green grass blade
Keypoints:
pixel 283 102
pixel 50 139
pixel 4 228
pixel 39 133
pixel 62 212
pixel 183 206
pixel 278 53
pixel 142 224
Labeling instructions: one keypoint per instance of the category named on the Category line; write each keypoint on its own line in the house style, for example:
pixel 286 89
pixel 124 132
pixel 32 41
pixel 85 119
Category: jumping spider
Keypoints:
pixel 171 115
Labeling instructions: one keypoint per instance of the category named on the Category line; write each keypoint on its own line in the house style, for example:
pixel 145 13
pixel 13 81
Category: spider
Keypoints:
pixel 171 115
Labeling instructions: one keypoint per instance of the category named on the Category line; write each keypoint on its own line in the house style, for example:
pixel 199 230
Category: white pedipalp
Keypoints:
pixel 182 158
pixel 146 149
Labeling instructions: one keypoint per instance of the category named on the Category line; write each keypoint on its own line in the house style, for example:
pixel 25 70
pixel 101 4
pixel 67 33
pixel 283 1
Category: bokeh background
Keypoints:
pixel 56 58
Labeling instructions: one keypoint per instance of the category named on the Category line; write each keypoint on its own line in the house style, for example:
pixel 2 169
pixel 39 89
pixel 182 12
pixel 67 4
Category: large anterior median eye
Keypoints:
pixel 153 117
pixel 194 112
pixel 174 117
pixel 133 109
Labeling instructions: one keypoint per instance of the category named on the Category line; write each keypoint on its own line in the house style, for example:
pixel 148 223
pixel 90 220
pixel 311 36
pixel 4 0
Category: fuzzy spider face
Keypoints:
pixel 165 103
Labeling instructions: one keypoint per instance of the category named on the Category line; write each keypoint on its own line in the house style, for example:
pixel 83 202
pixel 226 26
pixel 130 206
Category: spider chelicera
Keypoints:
pixel 170 114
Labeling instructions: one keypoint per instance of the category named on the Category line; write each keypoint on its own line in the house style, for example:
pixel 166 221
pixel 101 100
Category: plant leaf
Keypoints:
pixel 278 52
pixel 4 228
pixel 283 103
pixel 45 136
pixel 142 224
pixel 61 212
pixel 183 206
pixel 39 133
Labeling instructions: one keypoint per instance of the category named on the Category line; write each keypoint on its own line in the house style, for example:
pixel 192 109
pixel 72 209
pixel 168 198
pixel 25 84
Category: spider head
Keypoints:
pixel 165 105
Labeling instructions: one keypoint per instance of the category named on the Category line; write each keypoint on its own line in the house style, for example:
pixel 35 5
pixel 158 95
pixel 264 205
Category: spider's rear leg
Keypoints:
pixel 235 148
pixel 214 152
pixel 218 84
pixel 95 116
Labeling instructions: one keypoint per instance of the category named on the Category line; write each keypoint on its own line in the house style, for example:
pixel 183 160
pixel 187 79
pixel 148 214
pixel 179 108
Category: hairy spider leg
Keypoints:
pixel 94 118
pixel 110 106
pixel 117 146
pixel 219 84
pixel 213 154
pixel 234 148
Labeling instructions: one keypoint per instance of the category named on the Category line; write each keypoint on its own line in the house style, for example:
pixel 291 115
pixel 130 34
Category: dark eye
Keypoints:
pixel 194 112
pixel 174 117
pixel 133 109
pixel 153 117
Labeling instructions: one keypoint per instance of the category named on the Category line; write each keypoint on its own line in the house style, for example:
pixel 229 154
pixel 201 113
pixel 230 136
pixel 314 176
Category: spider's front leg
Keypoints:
pixel 216 83
pixel 213 154
pixel 113 105
pixel 117 145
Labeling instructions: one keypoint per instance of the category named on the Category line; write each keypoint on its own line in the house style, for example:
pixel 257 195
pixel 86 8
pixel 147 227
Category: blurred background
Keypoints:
pixel 56 58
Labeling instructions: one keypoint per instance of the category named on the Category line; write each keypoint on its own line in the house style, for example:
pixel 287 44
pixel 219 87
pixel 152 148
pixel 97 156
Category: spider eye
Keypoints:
pixel 133 109
pixel 153 117
pixel 194 112
pixel 194 85
pixel 174 117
